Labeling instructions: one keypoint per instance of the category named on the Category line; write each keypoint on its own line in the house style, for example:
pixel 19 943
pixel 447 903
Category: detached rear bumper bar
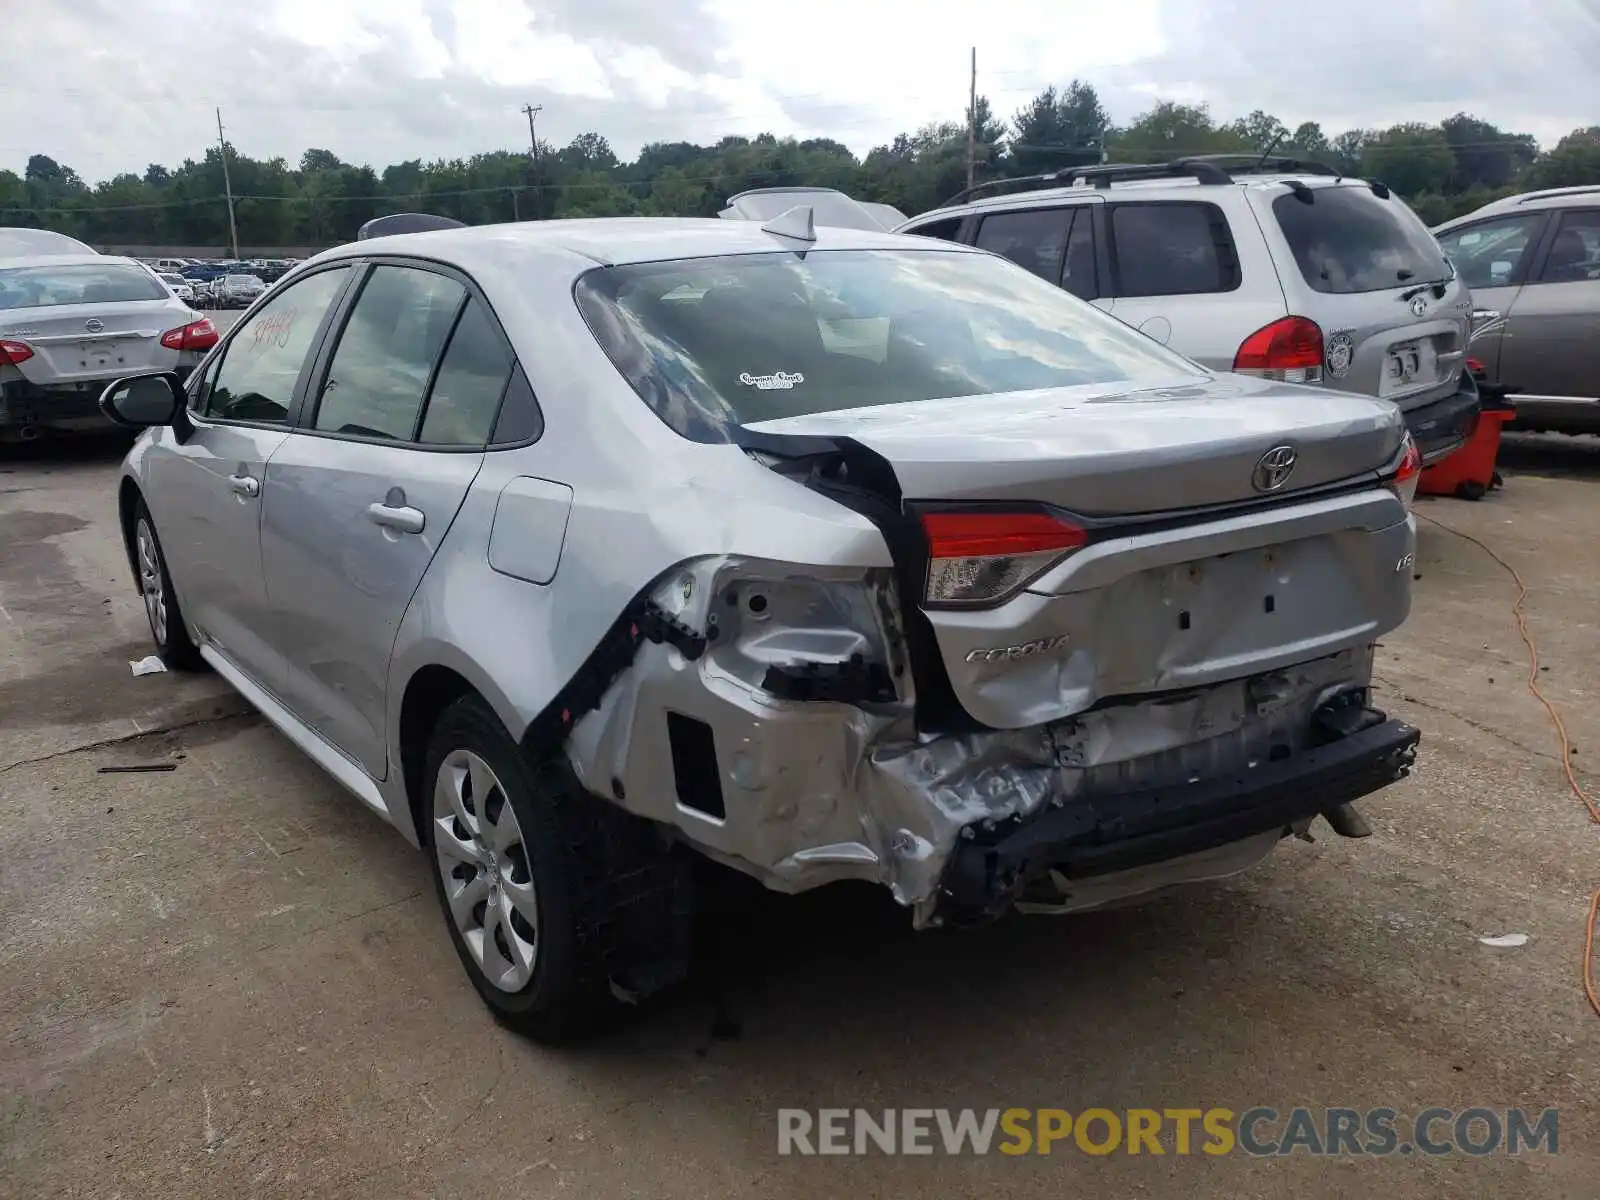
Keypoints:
pixel 1099 835
pixel 1443 427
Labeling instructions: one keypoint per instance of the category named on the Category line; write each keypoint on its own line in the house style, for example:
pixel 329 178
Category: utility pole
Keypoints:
pixel 533 110
pixel 227 184
pixel 972 119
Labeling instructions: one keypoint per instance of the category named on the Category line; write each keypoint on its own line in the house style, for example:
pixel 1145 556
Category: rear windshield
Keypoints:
pixel 20 242
pixel 243 279
pixel 45 287
pixel 1348 240
pixel 827 208
pixel 713 343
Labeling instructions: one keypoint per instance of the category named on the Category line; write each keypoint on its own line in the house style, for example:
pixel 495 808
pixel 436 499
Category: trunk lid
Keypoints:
pixel 78 342
pixel 1193 596
pixel 1103 452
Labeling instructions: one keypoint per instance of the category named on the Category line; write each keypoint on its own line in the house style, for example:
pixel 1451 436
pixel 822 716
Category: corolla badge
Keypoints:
pixel 1274 468
pixel 1041 645
pixel 94 325
pixel 1419 307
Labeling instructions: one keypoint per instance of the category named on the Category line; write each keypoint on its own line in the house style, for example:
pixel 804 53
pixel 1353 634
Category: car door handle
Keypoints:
pixel 401 518
pixel 1485 314
pixel 245 485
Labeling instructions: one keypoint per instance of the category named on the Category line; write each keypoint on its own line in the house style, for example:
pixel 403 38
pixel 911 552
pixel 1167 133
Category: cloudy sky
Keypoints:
pixel 112 85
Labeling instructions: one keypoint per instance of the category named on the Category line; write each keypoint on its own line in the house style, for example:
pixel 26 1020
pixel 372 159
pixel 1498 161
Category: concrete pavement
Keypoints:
pixel 228 979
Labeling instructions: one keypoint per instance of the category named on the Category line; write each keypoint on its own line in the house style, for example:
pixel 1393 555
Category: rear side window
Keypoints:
pixel 1346 240
pixel 466 392
pixel 1172 249
pixel 48 287
pixel 1034 238
pixel 385 357
pixel 1575 254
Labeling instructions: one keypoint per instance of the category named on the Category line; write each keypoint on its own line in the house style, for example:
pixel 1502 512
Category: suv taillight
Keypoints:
pixel 1290 349
pixel 197 335
pixel 14 353
pixel 1409 473
pixel 981 557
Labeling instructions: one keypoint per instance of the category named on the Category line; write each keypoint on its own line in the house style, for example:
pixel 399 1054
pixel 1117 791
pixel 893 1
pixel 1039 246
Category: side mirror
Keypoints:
pixel 1500 270
pixel 142 401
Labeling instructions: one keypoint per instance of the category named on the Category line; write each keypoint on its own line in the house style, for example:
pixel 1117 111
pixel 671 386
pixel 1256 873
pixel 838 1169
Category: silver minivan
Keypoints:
pixel 1264 266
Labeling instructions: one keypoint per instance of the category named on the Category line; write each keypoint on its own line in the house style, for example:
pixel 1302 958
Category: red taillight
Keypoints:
pixel 197 335
pixel 1289 349
pixel 976 558
pixel 14 353
pixel 1409 473
pixel 1474 366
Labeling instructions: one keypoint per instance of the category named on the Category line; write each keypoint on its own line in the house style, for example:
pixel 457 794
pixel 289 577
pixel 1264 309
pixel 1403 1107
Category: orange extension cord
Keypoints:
pixel 1566 745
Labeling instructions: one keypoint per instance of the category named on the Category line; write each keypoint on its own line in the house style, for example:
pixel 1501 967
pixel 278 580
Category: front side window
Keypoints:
pixel 380 369
pixel 719 342
pixel 1490 253
pixel 1347 239
pixel 49 287
pixel 263 359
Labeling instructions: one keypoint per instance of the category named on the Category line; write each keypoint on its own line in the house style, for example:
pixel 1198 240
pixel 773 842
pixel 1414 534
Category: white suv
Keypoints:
pixel 1266 266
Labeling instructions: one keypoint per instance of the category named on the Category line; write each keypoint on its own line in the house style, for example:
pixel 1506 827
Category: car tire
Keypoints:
pixel 515 895
pixel 168 630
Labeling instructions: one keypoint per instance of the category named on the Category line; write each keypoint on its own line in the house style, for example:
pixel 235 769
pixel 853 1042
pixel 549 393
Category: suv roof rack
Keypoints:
pixel 406 223
pixel 1209 169
pixel 1582 189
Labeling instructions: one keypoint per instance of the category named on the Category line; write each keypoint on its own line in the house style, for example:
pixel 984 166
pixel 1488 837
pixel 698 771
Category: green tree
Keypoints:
pixel 1573 162
pixel 1258 131
pixel 1308 141
pixel 1058 129
pixel 1486 155
pixel 1171 131
pixel 1412 159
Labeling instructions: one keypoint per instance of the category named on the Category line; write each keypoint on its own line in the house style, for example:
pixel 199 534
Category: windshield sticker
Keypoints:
pixel 778 380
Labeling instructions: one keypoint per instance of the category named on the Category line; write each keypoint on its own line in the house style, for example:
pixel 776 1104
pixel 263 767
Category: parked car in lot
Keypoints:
pixel 69 324
pixel 579 549
pixel 236 291
pixel 181 287
pixel 1533 263
pixel 1272 267
pixel 19 241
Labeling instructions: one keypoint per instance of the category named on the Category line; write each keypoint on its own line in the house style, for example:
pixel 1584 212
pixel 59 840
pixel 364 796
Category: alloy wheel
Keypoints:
pixel 151 584
pixel 484 866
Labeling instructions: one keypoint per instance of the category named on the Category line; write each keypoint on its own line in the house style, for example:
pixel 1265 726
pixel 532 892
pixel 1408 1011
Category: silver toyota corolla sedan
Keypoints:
pixel 586 551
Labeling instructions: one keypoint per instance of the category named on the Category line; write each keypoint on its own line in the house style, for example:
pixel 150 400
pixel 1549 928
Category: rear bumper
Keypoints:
pixel 24 404
pixel 1443 427
pixel 1095 836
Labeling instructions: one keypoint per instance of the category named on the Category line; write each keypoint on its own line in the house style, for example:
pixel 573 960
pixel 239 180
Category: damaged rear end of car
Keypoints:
pixel 1121 633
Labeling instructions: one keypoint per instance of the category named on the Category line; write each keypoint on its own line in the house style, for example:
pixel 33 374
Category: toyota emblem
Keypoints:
pixel 94 325
pixel 1419 307
pixel 1273 469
